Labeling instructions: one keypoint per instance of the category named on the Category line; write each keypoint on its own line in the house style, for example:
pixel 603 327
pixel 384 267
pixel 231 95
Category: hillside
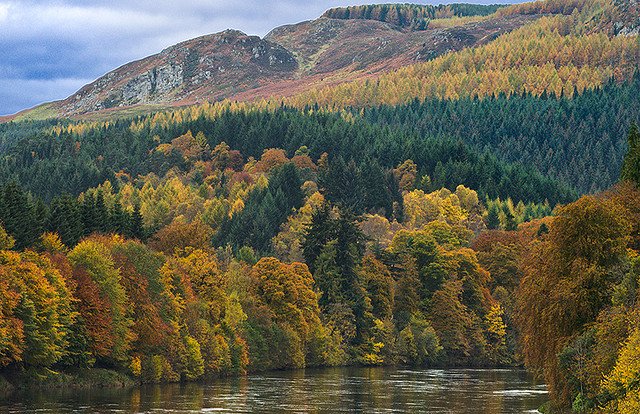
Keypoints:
pixel 570 49
pixel 289 60
pixel 455 51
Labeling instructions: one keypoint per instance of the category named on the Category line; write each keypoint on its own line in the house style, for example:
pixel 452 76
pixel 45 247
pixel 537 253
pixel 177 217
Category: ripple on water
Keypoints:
pixel 339 390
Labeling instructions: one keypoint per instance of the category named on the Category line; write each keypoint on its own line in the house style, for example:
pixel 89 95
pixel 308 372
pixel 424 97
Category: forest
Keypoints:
pixel 69 158
pixel 224 266
pixel 552 133
pixel 245 266
pixel 412 16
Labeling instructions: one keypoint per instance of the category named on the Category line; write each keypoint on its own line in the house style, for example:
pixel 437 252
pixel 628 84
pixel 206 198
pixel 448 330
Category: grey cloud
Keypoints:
pixel 19 94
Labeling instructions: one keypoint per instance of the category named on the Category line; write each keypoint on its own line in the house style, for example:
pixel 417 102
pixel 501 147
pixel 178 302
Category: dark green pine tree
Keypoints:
pixel 18 215
pixel 510 223
pixel 493 217
pixel 397 202
pixel 263 222
pixel 41 217
pixel 89 214
pixel 377 196
pixel 317 235
pixel 118 219
pixel 66 219
pixel 287 179
pixel 341 184
pixel 631 164
pixel 102 216
pixel 350 247
pixel 328 278
pixel 136 227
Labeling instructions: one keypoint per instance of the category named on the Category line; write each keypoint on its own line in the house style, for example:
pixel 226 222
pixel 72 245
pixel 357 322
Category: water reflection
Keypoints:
pixel 359 390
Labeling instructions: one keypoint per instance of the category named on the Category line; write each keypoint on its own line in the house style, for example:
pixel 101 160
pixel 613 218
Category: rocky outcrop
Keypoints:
pixel 204 68
pixel 627 21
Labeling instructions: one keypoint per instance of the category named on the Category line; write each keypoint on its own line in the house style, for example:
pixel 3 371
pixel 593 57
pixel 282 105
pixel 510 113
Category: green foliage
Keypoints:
pixel 264 211
pixel 71 159
pixel 631 164
pixel 93 257
pixel 418 343
pixel 413 16
pixel 193 364
pixel 552 134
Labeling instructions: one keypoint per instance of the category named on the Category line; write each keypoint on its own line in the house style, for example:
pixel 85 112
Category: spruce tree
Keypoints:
pixel 510 223
pixel 631 164
pixel 18 215
pixel 493 217
pixel 101 212
pixel 136 227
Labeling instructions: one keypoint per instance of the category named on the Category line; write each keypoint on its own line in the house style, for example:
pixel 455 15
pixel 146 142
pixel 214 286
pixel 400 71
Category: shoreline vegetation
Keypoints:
pixel 97 378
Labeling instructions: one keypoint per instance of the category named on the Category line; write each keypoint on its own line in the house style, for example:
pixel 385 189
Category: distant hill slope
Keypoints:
pixel 207 67
pixel 369 55
pixel 572 46
pixel 289 60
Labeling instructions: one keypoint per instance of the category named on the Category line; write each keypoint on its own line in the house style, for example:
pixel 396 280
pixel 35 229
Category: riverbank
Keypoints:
pixel 76 379
pixel 86 378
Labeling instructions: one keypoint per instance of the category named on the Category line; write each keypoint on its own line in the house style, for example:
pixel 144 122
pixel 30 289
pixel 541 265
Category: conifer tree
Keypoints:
pixel 493 217
pixel 136 228
pixel 631 164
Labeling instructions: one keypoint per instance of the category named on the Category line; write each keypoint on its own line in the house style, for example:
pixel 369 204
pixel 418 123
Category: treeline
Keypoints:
pixel 579 139
pixel 197 312
pixel 565 7
pixel 75 158
pixel 413 16
pixel 26 217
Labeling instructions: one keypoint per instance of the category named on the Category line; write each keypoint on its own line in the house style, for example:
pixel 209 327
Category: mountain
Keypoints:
pixel 289 60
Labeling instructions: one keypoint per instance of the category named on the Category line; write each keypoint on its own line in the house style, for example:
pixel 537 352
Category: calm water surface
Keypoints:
pixel 335 390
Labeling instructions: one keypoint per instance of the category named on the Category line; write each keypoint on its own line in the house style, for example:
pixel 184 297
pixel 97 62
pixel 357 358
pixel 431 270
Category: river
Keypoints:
pixel 331 390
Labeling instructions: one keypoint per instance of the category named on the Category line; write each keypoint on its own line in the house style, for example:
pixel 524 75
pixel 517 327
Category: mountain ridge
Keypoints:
pixel 288 60
pixel 343 45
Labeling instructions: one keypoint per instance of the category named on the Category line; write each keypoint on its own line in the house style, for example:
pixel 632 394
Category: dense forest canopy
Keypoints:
pixel 224 266
pixel 268 263
pixel 74 158
pixel 579 140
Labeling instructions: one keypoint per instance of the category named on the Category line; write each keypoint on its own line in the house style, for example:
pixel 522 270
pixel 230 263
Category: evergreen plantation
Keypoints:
pixel 73 158
pixel 553 134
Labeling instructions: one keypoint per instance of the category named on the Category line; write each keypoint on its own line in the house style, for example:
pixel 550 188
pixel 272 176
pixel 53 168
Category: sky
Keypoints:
pixel 51 48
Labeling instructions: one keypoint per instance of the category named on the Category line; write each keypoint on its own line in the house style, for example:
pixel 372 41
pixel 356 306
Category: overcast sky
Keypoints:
pixel 50 48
